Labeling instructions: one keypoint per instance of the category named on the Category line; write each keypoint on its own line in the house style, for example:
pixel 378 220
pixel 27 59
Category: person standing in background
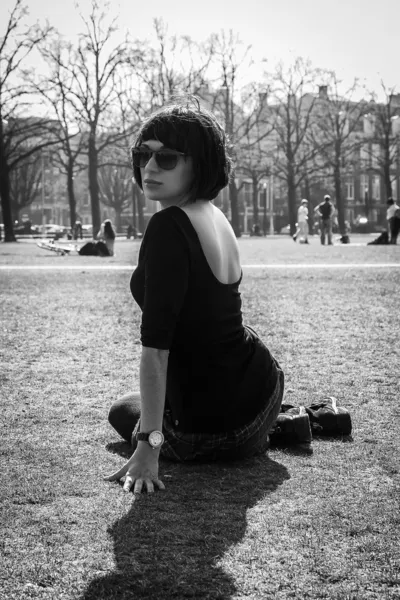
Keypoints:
pixel 302 222
pixel 326 210
pixel 393 219
pixel 77 230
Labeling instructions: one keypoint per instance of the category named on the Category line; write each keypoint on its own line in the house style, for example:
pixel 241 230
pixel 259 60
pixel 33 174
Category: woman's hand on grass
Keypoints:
pixel 141 471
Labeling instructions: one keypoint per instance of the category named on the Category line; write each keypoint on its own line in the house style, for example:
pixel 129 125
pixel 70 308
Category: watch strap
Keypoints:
pixel 145 437
pixel 142 437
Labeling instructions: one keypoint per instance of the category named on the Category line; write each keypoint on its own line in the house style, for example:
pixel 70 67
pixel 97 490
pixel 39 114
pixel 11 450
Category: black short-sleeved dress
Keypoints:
pixel 220 375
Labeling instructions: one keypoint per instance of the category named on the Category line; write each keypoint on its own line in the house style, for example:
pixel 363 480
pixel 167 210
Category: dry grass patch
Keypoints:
pixel 289 525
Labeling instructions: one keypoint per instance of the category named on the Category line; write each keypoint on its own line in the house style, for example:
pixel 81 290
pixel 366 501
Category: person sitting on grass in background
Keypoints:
pixel 209 387
pixel 107 235
pixel 302 222
pixel 393 219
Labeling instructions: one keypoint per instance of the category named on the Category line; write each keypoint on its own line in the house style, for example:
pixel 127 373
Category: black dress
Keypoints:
pixel 219 374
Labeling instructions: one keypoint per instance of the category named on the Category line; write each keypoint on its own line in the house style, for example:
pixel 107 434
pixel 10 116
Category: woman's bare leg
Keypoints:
pixel 124 414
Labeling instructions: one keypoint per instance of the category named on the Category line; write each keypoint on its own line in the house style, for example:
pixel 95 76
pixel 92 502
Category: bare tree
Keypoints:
pixel 384 136
pixel 116 189
pixel 25 183
pixel 337 121
pixel 95 73
pixel 254 148
pixel 19 137
pixel 241 108
pixel 55 88
pixel 292 110
pixel 173 66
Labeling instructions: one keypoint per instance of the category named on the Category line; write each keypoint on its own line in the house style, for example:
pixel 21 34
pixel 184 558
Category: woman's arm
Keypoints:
pixel 153 379
pixel 142 468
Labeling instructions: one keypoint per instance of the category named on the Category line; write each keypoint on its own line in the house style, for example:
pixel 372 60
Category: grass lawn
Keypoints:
pixel 287 525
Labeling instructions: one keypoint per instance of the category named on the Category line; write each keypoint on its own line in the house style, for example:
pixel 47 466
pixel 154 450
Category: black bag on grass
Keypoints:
pixel 94 249
pixel 382 239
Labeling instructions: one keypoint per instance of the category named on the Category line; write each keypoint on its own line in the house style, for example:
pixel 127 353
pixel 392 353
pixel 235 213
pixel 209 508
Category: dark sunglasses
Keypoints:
pixel 165 159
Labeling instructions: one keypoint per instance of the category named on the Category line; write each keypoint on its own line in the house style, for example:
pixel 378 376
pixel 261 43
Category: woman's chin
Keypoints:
pixel 152 197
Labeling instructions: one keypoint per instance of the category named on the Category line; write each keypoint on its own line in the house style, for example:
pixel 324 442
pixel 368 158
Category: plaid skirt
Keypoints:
pixel 249 440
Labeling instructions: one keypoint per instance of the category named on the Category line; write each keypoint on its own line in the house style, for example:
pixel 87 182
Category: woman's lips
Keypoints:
pixel 152 182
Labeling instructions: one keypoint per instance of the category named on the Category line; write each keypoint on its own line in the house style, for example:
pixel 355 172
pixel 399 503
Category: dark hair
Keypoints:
pixel 187 127
pixel 108 230
pixel 390 200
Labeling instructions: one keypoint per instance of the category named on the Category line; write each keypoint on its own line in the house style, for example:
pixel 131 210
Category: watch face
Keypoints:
pixel 156 438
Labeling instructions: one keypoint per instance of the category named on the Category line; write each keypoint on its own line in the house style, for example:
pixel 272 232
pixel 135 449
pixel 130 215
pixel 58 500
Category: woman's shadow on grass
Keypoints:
pixel 169 543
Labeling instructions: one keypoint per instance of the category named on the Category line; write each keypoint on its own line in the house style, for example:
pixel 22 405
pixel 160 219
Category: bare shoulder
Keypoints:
pixel 208 218
pixel 217 239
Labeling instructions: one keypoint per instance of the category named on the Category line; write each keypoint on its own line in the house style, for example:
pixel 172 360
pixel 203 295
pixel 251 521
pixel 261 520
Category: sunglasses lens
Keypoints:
pixel 140 158
pixel 166 161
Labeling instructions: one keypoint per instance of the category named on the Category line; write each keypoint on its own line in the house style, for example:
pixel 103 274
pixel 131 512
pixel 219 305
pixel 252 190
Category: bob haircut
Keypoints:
pixel 187 127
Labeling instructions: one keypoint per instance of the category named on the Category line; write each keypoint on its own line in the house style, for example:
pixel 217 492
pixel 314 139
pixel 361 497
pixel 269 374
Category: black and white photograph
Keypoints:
pixel 199 300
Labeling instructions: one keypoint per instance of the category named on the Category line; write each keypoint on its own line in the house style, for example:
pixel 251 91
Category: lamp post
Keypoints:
pixel 366 201
pixel 271 206
pixel 43 215
pixel 134 204
pixel 265 208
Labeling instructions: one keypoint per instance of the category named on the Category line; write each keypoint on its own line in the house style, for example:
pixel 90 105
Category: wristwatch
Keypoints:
pixel 155 438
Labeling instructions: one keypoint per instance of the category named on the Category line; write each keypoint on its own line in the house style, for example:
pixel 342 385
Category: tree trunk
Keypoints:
pixel 94 185
pixel 386 179
pixel 5 197
pixel 339 199
pixel 134 209
pixel 307 196
pixel 139 206
pixel 71 195
pixel 255 201
pixel 233 197
pixel 118 212
pixel 292 202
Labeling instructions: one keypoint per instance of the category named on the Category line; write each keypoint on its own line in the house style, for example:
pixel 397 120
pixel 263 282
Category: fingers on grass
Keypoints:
pixel 138 486
pixel 128 484
pixel 160 484
pixel 149 486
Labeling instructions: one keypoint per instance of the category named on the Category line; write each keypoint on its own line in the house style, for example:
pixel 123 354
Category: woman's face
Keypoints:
pixel 167 187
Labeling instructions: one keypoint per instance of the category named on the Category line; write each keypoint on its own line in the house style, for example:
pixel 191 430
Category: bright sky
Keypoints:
pixel 344 35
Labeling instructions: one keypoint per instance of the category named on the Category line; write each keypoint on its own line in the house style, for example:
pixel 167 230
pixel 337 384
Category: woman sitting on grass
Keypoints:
pixel 209 387
pixel 107 235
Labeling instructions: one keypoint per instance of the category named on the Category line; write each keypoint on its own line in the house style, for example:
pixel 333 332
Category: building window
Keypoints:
pixel 349 183
pixel 376 153
pixel 263 194
pixel 248 193
pixel 364 154
pixel 363 186
pixel 376 187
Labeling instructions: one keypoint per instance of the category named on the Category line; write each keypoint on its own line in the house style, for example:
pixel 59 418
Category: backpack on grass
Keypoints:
pixel 94 249
pixel 381 240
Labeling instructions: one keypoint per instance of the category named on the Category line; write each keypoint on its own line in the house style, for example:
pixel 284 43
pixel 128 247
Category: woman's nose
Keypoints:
pixel 152 164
